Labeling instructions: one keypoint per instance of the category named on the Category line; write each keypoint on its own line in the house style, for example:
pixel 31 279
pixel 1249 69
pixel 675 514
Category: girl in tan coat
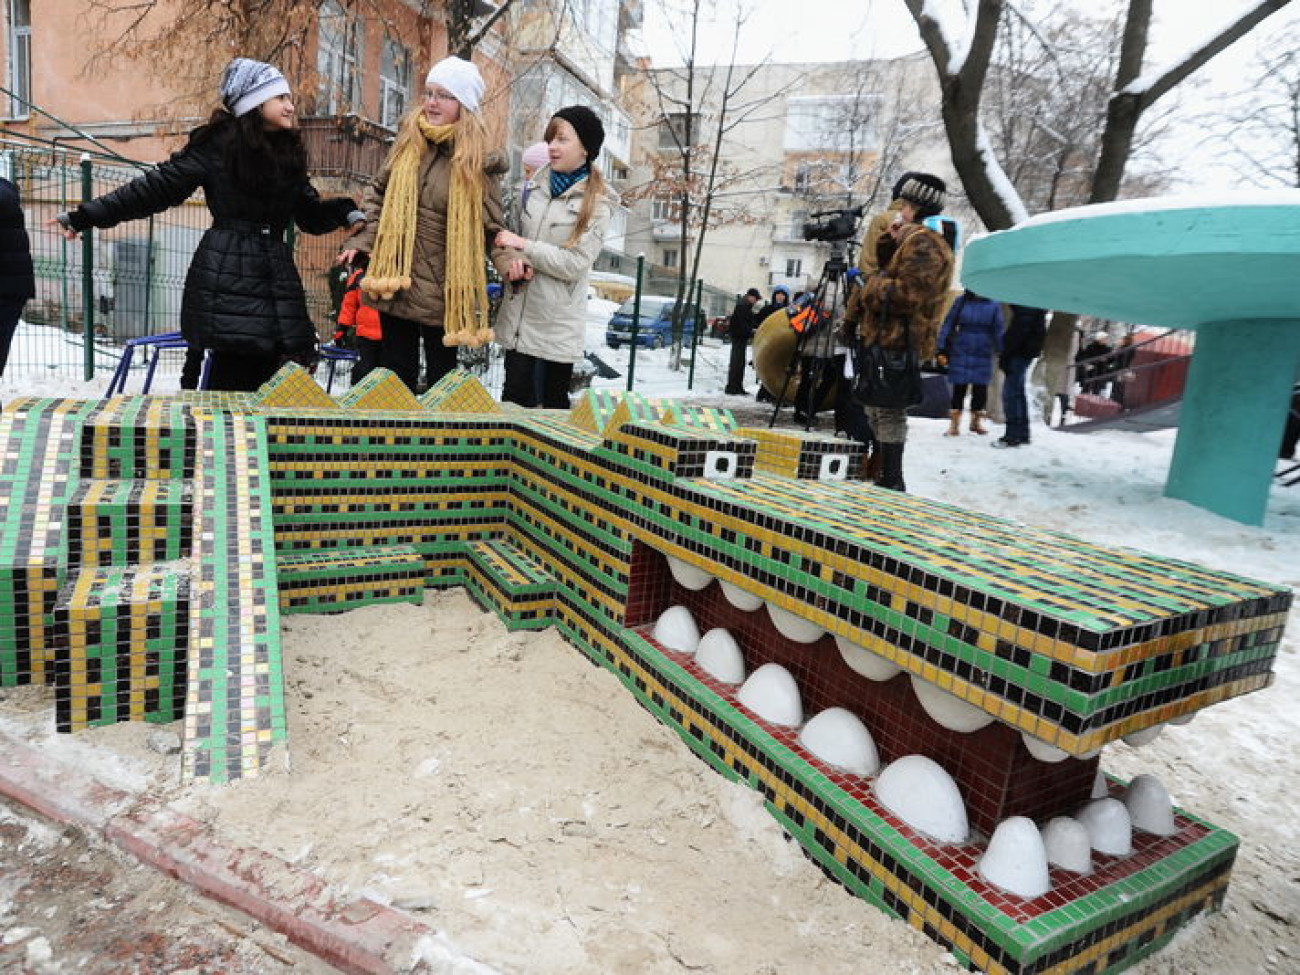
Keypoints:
pixel 563 218
pixel 432 212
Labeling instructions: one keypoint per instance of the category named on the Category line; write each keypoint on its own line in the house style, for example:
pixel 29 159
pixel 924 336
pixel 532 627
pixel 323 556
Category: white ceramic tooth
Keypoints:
pixel 1100 785
pixel 1110 829
pixel 1042 751
pixel 740 598
pixel 1144 737
pixel 1067 844
pixel 838 737
pixel 771 693
pixel 863 661
pixel 1016 860
pixel 676 630
pixel 793 627
pixel 688 576
pixel 948 709
pixel 918 791
pixel 719 656
pixel 1149 806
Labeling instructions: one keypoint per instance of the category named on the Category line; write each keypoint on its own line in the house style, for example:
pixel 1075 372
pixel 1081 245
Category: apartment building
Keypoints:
pixel 803 139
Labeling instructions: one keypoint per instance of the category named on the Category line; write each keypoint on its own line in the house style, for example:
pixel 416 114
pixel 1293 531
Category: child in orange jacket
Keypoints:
pixel 362 319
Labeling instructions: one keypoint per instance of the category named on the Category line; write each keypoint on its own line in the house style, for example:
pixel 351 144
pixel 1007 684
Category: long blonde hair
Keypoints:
pixel 392 260
pixel 471 144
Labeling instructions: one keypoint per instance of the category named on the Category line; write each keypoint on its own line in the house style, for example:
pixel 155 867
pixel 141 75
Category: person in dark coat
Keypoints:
pixel 780 299
pixel 1093 363
pixel 243 297
pixel 1021 345
pixel 1291 431
pixel 740 327
pixel 17 281
pixel 969 341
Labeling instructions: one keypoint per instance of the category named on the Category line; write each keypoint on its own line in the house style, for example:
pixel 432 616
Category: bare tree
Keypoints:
pixel 962 58
pixel 187 42
pixel 465 29
pixel 696 108
pixel 1259 129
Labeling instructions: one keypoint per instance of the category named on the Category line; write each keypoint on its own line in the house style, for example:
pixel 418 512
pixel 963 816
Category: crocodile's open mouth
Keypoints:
pixel 915 690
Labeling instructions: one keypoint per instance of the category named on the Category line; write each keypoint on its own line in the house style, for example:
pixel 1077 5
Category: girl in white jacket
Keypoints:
pixel 567 207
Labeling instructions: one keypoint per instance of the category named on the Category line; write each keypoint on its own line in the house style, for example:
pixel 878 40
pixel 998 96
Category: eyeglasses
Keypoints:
pixel 440 96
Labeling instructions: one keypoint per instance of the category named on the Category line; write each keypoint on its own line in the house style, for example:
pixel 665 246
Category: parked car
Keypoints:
pixel 656 324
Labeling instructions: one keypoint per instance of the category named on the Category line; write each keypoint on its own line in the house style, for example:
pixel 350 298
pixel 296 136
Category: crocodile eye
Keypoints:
pixel 720 464
pixel 834 467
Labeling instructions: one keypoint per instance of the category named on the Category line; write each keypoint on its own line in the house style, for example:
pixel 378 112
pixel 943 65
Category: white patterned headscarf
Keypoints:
pixel 248 84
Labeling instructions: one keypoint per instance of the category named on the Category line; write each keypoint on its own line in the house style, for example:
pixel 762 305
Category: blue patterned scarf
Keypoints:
pixel 562 181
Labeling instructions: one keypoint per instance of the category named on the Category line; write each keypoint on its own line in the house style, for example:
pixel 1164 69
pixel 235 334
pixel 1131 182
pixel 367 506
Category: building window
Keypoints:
pixel 394 83
pixel 665 208
pixel 338 60
pixel 20 58
pixel 672 130
pixel 841 123
pixel 670 257
pixel 793 267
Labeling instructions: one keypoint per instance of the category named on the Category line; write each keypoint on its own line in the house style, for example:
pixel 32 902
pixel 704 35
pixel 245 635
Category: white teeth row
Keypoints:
pixel 1019 854
pixel 917 789
pixel 945 708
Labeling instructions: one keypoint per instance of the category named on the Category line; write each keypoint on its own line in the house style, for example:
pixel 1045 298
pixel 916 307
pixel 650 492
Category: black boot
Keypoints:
pixel 891 466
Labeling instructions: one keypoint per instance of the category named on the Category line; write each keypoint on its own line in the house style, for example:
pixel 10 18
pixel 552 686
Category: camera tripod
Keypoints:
pixel 815 344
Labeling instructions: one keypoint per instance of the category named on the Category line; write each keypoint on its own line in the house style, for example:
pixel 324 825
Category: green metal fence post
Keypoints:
pixel 636 321
pixel 698 292
pixel 88 275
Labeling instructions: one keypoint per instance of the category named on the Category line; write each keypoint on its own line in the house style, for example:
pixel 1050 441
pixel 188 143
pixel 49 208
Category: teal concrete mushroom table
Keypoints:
pixel 1227 266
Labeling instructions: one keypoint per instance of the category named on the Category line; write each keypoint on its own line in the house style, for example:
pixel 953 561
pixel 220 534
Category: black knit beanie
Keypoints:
pixel 585 122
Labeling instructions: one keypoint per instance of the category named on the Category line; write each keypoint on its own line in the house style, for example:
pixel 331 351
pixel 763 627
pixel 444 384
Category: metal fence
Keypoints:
pixel 97 293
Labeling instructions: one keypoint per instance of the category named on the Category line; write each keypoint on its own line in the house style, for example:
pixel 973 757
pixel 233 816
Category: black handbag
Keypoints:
pixel 887 378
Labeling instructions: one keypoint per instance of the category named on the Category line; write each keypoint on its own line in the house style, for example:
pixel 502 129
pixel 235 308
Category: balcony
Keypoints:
pixel 665 230
pixel 345 147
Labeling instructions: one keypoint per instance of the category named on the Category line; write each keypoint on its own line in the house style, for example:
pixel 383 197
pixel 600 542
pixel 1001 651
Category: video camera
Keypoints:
pixel 839 225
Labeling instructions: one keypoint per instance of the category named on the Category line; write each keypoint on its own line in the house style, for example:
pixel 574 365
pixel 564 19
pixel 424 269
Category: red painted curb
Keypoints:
pixel 360 936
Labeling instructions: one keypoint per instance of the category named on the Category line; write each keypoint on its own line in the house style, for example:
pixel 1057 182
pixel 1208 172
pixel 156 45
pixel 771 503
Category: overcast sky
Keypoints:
pixel 835 30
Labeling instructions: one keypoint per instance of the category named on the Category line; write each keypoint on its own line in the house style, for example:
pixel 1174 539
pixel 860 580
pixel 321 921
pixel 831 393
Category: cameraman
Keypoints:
pixel 905 296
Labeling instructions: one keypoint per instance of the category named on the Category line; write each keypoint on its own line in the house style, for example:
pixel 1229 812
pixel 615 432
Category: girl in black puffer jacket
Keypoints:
pixel 243 297
pixel 17 282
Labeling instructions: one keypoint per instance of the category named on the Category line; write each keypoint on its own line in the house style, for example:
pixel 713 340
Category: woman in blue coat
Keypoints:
pixel 970 340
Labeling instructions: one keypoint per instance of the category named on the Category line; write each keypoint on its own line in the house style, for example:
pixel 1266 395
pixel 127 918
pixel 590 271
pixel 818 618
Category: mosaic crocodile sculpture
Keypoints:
pixel 150 544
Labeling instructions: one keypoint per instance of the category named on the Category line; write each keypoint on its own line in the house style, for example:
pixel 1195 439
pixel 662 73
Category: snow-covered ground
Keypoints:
pixel 1236 764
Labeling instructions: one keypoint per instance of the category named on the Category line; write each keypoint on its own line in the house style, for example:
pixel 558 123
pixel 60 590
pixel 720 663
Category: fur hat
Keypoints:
pixel 461 78
pixel 535 156
pixel 922 190
pixel 247 84
pixel 590 129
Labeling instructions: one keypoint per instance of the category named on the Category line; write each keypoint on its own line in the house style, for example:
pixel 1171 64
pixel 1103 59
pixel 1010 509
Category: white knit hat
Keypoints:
pixel 461 78
pixel 247 84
